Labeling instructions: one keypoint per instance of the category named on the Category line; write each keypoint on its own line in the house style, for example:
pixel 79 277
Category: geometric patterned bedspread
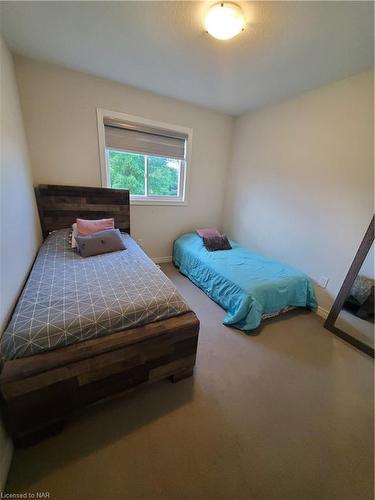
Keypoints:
pixel 68 298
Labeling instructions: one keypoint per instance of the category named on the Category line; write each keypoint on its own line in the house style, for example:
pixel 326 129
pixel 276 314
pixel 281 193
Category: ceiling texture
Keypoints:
pixel 286 48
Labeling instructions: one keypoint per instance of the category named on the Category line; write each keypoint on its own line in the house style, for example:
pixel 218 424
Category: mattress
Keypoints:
pixel 68 298
pixel 247 285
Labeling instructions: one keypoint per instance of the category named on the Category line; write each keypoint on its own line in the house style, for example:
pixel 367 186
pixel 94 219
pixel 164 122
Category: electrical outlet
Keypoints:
pixel 323 281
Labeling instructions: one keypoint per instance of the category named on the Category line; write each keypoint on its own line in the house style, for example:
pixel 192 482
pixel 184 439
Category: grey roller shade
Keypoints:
pixel 150 141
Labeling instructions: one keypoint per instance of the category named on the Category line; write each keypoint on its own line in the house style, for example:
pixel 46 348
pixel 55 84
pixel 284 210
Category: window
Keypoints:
pixel 147 158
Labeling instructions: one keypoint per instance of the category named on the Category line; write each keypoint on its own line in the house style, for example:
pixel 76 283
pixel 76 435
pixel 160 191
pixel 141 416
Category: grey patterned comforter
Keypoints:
pixel 68 298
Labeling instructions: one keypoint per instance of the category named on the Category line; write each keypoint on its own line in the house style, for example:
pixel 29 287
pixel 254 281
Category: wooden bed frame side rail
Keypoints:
pixel 35 402
pixel 21 368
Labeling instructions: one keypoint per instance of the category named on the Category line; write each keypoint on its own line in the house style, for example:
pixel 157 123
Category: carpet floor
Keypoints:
pixel 285 415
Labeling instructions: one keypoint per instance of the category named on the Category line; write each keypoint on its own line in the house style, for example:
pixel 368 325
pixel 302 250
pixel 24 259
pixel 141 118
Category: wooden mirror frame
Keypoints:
pixel 345 290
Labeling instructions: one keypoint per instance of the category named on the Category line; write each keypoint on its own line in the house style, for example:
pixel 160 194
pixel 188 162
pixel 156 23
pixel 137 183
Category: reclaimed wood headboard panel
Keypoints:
pixel 59 206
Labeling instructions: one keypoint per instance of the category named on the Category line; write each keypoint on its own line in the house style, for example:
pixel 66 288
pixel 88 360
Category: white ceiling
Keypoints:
pixel 287 47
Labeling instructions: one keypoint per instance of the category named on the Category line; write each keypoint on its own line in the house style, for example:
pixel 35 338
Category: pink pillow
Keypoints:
pixel 207 232
pixel 86 227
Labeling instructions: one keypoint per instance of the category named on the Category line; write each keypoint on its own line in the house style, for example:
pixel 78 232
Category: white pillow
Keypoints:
pixel 74 234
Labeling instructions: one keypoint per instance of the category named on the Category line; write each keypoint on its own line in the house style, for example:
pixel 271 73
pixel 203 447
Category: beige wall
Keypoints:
pixel 59 107
pixel 19 221
pixel 301 179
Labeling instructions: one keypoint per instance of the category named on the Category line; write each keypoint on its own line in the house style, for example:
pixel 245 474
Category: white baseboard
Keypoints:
pixel 6 454
pixel 323 313
pixel 162 260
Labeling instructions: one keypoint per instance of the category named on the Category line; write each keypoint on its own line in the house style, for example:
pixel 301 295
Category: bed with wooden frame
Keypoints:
pixel 39 392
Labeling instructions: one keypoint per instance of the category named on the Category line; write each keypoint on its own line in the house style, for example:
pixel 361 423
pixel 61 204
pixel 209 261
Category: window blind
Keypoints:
pixel 144 140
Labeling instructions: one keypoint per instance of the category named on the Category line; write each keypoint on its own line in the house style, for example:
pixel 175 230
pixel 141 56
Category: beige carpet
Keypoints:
pixel 285 415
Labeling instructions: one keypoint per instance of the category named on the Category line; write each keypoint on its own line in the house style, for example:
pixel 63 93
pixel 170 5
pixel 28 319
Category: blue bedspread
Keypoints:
pixel 246 284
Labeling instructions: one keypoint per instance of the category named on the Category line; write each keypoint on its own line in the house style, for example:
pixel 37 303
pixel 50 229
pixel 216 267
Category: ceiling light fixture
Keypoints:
pixel 224 20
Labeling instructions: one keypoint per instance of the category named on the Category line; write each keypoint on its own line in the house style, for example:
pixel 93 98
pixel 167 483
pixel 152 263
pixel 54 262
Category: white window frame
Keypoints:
pixel 103 114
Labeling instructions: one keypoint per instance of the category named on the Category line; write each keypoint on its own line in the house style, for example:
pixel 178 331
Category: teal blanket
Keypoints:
pixel 246 284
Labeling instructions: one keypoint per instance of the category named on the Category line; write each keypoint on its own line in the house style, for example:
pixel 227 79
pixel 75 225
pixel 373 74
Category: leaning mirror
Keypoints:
pixel 352 314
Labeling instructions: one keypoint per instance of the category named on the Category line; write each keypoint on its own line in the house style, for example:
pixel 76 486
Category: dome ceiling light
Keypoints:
pixel 224 20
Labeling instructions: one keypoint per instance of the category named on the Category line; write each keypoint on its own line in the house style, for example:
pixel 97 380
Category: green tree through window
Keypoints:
pixel 163 176
pixel 128 171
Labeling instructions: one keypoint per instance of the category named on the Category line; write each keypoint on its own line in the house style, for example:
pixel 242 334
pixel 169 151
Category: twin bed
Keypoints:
pixel 249 286
pixel 86 329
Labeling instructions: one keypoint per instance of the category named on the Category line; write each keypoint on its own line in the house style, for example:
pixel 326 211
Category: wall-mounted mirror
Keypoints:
pixel 352 314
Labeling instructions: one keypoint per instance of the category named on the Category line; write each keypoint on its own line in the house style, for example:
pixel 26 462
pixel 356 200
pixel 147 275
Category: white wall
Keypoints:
pixel 59 107
pixel 300 184
pixel 19 220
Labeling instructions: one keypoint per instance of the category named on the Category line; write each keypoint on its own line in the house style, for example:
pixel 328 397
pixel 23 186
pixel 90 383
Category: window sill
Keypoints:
pixel 158 202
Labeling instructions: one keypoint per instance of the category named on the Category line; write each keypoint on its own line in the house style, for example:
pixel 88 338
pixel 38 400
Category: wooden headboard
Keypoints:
pixel 59 206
